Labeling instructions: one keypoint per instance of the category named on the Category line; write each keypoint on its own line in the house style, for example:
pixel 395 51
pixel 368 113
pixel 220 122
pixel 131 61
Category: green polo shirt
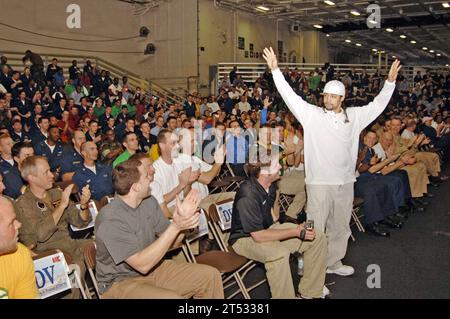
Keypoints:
pixel 122 158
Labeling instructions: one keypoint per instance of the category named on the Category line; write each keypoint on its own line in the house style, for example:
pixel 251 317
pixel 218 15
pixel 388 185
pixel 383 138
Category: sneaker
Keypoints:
pixel 325 293
pixel 342 271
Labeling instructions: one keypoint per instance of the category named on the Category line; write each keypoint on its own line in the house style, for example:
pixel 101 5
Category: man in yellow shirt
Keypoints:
pixel 17 278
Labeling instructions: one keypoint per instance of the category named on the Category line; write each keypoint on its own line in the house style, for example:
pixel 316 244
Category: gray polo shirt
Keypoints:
pixel 121 232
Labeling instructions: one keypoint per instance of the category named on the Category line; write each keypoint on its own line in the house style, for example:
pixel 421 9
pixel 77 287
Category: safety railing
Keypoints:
pixel 250 72
pixel 65 61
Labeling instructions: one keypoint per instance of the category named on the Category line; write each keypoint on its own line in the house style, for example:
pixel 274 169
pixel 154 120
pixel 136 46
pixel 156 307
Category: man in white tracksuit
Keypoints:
pixel 331 149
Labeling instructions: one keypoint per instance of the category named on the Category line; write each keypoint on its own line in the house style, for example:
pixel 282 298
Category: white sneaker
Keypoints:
pixel 342 271
pixel 325 293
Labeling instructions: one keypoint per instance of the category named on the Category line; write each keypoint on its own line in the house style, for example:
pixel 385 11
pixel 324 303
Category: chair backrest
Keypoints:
pixel 221 213
pixel 90 253
pixel 52 273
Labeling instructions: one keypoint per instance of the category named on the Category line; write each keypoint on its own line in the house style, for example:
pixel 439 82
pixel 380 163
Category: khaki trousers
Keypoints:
pixel 293 183
pixel 275 256
pixel 330 206
pixel 431 161
pixel 418 178
pixel 171 280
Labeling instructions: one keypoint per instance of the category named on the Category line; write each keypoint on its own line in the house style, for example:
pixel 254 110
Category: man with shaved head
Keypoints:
pixel 17 279
pixel 95 175
pixel 72 158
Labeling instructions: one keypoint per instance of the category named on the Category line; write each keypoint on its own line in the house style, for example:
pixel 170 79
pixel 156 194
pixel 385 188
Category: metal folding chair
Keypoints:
pixel 357 205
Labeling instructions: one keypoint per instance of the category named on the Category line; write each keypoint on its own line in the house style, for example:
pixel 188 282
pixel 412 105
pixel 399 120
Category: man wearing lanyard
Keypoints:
pixel 331 149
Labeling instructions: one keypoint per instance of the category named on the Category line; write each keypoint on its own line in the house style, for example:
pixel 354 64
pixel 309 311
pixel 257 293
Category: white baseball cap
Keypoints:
pixel 335 87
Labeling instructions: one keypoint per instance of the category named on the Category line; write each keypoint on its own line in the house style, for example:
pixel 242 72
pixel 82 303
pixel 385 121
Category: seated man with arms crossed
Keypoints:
pixel 130 255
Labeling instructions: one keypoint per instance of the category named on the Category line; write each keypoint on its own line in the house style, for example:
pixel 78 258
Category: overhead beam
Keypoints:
pixel 396 22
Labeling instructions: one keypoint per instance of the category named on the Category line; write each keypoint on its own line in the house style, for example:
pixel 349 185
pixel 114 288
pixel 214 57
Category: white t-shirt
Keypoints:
pixel 331 142
pixel 184 161
pixel 234 95
pixel 378 149
pixel 165 180
pixel 115 89
pixel 214 106
pixel 244 106
pixel 52 148
pixel 408 134
pixel 92 169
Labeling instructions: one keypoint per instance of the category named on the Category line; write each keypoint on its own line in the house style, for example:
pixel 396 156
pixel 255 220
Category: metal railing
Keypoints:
pixel 65 61
pixel 251 71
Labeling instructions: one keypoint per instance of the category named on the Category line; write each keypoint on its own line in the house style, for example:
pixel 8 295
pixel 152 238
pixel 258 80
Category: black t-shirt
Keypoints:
pixel 251 209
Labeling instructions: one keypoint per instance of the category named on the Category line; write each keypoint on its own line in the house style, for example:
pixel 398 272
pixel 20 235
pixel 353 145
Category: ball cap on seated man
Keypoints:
pixel 334 87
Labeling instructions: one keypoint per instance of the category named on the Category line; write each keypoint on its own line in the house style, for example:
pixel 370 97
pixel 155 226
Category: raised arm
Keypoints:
pixel 371 111
pixel 296 104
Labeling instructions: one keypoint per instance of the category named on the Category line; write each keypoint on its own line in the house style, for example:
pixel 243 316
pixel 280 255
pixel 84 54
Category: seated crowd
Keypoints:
pixel 72 141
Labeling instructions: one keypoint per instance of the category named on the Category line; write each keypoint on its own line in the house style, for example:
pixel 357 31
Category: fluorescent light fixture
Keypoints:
pixel 374 50
pixel 348 41
pixel 263 8
pixel 355 12
pixel 318 26
pixel 438 54
pixel 330 3
pixel 403 36
pixel 358 44
pixel 425 48
pixel 389 30
pixel 413 42
pixel 431 51
pixel 446 5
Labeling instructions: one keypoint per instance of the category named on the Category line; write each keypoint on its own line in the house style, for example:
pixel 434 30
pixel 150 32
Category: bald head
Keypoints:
pixel 89 152
pixel 9 227
pixel 78 139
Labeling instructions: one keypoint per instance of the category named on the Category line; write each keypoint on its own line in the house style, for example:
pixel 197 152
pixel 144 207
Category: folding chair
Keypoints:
pixel 229 264
pixel 285 201
pixel 357 205
pixel 90 261
pixel 219 222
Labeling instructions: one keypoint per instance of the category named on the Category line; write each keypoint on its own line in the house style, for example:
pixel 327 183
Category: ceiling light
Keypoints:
pixel 413 42
pixel 330 3
pixel 358 44
pixel 263 8
pixel 438 54
pixel 394 57
pixel 389 30
pixel 374 50
pixel 355 12
pixel 318 26
pixel 348 41
pixel 383 52
pixel 431 51
pixel 425 48
pixel 403 36
pixel 446 5
pixel 373 21
pixel 446 65
pixel 328 35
